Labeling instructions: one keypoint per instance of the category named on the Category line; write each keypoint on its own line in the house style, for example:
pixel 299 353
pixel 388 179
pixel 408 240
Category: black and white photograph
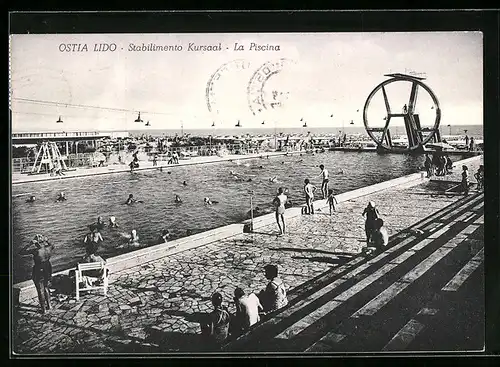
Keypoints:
pixel 245 193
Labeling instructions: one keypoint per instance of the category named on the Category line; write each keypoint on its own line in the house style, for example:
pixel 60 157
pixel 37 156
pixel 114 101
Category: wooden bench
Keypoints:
pixel 102 281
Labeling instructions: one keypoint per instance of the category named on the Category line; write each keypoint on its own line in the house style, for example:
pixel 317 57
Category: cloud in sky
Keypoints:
pixel 331 73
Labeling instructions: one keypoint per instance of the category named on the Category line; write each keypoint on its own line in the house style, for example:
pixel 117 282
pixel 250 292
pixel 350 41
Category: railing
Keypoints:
pixel 24 165
pixel 59 134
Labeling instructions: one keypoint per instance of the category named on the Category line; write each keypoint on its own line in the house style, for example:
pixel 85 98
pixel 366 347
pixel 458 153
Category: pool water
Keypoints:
pixel 66 223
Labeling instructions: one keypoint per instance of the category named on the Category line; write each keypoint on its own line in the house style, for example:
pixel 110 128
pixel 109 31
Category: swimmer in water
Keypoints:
pixel 178 199
pixel 209 201
pixel 273 179
pixel 185 183
pixel 131 200
pixel 249 180
pixel 112 222
pixel 93 238
pixel 61 197
pixel 134 237
pixel 165 235
pixel 31 199
pixel 169 172
pixel 100 223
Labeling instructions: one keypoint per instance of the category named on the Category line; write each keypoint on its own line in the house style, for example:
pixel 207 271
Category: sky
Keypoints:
pixel 325 80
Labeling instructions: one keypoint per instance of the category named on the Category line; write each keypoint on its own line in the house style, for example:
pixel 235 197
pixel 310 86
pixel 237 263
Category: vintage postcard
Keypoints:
pixel 247 193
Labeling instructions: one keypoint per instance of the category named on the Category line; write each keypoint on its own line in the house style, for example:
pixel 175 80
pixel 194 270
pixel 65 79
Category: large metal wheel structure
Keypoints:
pixel 417 135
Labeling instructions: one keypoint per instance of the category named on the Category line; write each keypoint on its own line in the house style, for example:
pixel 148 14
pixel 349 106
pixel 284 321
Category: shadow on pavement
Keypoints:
pixel 338 260
pixel 296 249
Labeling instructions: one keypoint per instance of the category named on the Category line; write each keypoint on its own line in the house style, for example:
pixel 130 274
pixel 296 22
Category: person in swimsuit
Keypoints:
pixel 209 201
pixel 279 202
pixel 371 215
pixel 217 329
pixel 247 311
pixel 31 199
pixel 41 250
pixel 324 185
pixel 61 197
pixel 428 165
pixel 165 235
pixel 331 201
pixel 112 222
pixel 309 191
pixel 100 224
pixel 131 200
pixel 134 238
pixel 479 176
pixel 274 296
pixel 93 239
pixel 465 180
pixel 379 239
pixel 175 158
pixel 58 170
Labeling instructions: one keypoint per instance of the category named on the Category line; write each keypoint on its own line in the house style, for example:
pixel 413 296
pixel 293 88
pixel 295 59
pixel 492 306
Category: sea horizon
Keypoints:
pixel 472 129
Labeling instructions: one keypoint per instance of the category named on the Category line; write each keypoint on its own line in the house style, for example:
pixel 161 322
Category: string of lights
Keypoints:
pixel 72 105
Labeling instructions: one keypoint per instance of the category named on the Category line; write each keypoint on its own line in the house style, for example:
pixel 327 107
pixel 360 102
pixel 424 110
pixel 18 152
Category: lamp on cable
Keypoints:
pixel 138 119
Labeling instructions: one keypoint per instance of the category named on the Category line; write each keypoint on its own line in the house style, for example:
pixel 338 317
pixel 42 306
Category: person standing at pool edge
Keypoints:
pixel 309 191
pixel 465 180
pixel 41 250
pixel 280 201
pixel 324 184
pixel 372 215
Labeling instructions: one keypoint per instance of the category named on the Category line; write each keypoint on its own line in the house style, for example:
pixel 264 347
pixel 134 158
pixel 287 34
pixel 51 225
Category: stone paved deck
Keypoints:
pixel 164 300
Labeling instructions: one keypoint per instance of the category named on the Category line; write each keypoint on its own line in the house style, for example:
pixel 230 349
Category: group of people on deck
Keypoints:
pixel 250 309
pixel 439 164
pixel 377 236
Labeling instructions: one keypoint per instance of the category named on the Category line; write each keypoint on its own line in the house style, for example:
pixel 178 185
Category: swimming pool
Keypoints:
pixel 66 223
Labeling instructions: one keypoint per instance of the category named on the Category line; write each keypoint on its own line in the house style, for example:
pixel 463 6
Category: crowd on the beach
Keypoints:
pixel 251 307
